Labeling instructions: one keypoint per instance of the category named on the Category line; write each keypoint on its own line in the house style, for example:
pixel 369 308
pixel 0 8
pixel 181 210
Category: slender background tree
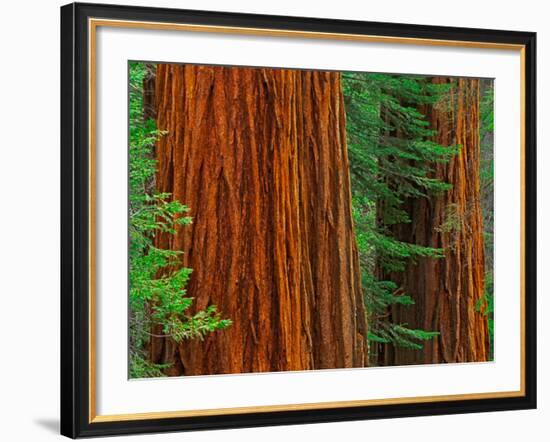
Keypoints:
pixel 447 292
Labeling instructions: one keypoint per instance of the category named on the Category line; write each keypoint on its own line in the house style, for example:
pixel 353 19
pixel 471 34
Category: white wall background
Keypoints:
pixel 29 220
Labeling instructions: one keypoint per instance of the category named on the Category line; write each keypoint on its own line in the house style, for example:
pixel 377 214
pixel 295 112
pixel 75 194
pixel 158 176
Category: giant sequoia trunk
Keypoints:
pixel 260 157
pixel 446 291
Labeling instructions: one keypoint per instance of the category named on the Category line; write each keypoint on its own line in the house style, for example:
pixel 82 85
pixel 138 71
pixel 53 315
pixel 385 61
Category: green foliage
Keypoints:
pixel 485 305
pixel 391 160
pixel 486 176
pixel 157 280
pixel 401 336
pixel 486 129
pixel 142 368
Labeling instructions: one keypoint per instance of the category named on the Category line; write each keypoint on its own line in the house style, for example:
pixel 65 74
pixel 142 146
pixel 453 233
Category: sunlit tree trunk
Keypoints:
pixel 260 157
pixel 446 291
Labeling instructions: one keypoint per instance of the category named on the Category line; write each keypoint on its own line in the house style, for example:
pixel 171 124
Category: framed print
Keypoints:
pixel 276 220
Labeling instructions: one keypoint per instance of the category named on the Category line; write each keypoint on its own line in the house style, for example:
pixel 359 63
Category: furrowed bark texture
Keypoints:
pixel 260 157
pixel 447 290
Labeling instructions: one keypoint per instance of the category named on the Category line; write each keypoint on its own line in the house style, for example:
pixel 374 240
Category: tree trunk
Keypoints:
pixel 447 290
pixel 260 157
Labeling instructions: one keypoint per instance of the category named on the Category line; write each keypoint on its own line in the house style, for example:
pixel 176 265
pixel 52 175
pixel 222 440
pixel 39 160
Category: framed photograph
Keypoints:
pixel 275 220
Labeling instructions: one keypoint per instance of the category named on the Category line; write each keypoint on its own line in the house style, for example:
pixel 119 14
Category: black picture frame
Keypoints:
pixel 75 325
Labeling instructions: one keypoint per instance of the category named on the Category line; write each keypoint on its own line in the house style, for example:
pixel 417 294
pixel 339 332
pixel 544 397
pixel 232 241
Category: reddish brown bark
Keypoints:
pixel 260 157
pixel 447 290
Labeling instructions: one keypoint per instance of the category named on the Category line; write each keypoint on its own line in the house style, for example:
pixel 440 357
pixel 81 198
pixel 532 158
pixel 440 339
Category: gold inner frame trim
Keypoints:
pixel 93 24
